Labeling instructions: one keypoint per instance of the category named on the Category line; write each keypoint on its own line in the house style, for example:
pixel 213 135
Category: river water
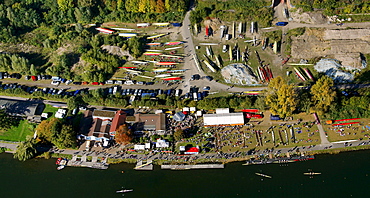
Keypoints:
pixel 343 175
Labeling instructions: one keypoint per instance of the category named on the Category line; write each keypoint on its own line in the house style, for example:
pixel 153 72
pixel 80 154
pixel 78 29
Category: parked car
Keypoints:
pixel 55 83
pixel 129 82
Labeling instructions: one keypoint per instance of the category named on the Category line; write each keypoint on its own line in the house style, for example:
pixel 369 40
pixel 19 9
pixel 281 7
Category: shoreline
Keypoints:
pixel 216 160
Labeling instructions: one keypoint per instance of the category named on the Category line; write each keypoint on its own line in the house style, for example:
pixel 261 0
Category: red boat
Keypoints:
pixel 58 161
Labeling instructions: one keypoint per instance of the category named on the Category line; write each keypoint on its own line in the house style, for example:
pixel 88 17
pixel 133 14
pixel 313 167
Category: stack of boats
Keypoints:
pixel 280 160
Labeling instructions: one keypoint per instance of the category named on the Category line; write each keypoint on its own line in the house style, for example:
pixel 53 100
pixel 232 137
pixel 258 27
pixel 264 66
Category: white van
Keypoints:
pixel 129 82
pixel 225 48
pixel 228 37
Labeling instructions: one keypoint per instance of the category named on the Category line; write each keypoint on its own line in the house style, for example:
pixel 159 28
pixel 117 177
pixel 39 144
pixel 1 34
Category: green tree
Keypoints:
pixel 65 4
pixel 75 102
pixel 26 150
pixel 132 5
pixel 178 134
pixel 66 138
pixel 259 103
pixel 323 95
pixel 5 120
pixel 281 97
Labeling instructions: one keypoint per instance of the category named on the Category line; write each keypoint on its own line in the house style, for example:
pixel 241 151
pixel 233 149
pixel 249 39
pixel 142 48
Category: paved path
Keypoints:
pixel 12 146
pixel 324 139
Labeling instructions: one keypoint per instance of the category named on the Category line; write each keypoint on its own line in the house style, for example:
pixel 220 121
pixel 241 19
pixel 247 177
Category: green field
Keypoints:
pixel 18 133
pixel 23 128
pixel 50 110
pixel 243 138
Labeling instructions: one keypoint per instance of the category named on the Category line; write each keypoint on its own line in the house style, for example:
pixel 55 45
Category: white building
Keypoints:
pixel 223 119
pixel 162 144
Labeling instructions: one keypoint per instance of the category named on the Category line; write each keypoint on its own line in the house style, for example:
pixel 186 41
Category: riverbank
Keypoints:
pixel 195 160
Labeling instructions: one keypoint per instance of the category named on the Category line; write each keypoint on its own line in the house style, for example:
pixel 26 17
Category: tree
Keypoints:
pixel 75 102
pixel 5 120
pixel 178 134
pixel 26 150
pixel 65 4
pixel 281 97
pixel 160 8
pixel 323 95
pixel 124 135
pixel 48 128
pixel 66 138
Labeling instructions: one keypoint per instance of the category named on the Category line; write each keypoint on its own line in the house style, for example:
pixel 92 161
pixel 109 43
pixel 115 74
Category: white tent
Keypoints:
pixel 223 119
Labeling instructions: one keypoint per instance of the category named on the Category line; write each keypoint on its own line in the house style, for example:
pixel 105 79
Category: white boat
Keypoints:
pixel 311 173
pixel 60 167
pixel 124 190
pixel 263 175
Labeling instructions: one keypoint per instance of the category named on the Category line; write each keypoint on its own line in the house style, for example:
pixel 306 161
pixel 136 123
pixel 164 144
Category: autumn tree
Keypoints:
pixel 323 95
pixel 178 134
pixel 47 128
pixel 281 97
pixel 160 8
pixel 124 135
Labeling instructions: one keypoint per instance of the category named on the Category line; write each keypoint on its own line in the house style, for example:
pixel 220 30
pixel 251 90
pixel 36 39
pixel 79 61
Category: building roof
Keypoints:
pixel 130 118
pixel 118 120
pixel 104 113
pixel 222 110
pixel 21 108
pixel 150 122
pixel 100 128
pixel 223 119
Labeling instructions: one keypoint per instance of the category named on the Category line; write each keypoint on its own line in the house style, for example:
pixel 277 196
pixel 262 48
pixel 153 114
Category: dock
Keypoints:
pixel 196 166
pixel 142 165
pixel 83 162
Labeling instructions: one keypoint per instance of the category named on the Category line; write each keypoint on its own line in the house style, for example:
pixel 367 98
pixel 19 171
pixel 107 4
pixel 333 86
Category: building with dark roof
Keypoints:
pixel 28 109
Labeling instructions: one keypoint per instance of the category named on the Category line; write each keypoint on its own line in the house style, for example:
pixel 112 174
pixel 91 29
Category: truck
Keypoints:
pixel 253 115
pixel 281 23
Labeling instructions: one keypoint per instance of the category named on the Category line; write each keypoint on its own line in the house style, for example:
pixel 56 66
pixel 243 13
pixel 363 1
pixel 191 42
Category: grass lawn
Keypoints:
pixel 349 132
pixel 18 133
pixel 243 138
pixel 50 110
